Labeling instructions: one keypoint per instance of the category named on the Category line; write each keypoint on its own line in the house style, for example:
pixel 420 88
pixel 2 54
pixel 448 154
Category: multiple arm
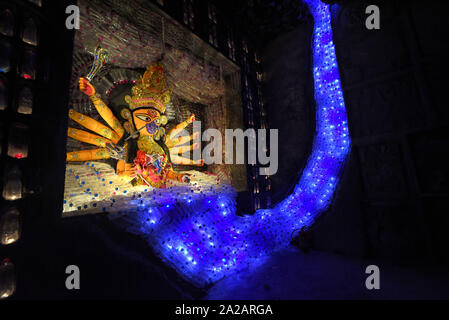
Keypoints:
pixel 113 135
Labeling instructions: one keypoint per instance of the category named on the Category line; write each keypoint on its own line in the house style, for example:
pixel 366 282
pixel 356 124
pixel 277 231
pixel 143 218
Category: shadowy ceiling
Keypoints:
pixel 263 20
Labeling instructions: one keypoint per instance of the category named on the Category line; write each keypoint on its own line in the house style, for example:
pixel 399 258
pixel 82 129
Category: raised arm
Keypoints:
pixel 102 108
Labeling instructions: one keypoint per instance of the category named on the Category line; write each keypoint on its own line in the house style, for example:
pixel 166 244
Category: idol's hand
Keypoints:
pixel 115 151
pixel 185 178
pixel 126 171
pixel 191 118
pixel 130 170
pixel 86 87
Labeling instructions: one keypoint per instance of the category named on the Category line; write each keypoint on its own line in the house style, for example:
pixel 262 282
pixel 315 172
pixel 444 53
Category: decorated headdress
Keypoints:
pixel 150 90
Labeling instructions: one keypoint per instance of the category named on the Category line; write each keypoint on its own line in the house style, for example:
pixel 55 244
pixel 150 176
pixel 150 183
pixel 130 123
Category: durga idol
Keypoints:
pixel 143 149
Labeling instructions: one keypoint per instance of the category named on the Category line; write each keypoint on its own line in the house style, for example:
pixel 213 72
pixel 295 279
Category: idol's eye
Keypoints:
pixel 143 117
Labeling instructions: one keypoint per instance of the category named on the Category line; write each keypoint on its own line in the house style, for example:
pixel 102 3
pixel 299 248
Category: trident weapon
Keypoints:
pixel 101 58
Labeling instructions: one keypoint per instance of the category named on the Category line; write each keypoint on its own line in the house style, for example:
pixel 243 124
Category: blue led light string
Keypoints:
pixel 202 237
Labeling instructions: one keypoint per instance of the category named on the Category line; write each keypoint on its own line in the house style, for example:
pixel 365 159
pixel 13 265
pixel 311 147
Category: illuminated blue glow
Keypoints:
pixel 200 234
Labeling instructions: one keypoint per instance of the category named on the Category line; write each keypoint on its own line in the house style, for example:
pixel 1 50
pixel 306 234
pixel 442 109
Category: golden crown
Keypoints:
pixel 150 90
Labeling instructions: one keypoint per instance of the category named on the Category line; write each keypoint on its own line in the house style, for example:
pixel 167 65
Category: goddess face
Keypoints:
pixel 148 120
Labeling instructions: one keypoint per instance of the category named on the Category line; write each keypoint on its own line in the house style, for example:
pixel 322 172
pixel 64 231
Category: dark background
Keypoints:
pixel 393 198
pixel 392 201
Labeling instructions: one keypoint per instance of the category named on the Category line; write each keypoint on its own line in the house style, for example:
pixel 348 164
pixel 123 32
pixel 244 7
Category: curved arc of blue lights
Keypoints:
pixel 331 145
pixel 203 238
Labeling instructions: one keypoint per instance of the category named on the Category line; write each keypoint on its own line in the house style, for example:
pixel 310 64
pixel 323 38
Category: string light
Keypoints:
pixel 205 240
